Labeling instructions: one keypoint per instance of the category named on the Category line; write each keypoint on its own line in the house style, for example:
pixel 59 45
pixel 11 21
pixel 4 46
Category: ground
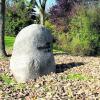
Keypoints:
pixel 76 78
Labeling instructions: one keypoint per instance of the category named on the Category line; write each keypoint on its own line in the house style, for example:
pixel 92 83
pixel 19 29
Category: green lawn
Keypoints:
pixel 9 41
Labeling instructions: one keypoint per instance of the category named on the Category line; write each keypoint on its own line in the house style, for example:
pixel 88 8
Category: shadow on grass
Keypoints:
pixel 63 67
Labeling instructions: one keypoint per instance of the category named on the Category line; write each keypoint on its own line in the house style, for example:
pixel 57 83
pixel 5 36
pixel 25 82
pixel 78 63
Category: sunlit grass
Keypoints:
pixel 77 77
pixel 6 79
pixel 9 41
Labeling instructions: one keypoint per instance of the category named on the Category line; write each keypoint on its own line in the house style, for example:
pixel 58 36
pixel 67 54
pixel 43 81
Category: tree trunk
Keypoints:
pixel 42 18
pixel 2 33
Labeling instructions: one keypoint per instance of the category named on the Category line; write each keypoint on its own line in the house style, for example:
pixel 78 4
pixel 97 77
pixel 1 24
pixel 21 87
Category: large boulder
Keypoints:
pixel 32 53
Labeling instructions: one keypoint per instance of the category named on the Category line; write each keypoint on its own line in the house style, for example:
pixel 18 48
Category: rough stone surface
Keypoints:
pixel 32 53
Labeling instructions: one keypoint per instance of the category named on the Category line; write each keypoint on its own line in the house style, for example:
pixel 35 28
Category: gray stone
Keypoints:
pixel 32 53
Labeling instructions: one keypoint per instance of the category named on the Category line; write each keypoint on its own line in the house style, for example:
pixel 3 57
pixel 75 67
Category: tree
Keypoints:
pixel 82 37
pixel 2 24
pixel 41 4
pixel 61 13
pixel 18 15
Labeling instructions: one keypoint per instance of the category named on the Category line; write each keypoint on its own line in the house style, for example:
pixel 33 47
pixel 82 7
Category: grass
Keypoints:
pixel 9 41
pixel 57 51
pixel 77 77
pixel 6 79
pixel 9 81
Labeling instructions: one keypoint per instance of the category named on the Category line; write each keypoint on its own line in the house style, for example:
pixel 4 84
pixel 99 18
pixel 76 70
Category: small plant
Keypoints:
pixel 6 79
pixel 77 77
pixel 20 86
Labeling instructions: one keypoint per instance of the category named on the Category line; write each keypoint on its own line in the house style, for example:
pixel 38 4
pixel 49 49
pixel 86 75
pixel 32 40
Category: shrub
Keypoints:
pixel 60 38
pixel 84 39
pixel 83 36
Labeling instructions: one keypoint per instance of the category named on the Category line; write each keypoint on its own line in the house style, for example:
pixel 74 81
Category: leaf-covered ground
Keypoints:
pixel 76 78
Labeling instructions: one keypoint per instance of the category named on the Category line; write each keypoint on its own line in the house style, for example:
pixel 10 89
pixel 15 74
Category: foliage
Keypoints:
pixel 61 13
pixel 76 29
pixel 17 16
pixel 50 26
pixel 9 81
pixel 6 79
pixel 19 86
pixel 83 33
pixel 94 17
pixel 84 38
pixel 55 34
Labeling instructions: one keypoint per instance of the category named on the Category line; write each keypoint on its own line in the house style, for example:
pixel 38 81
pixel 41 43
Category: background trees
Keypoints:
pixel 75 23
pixel 18 15
pixel 41 7
pixel 61 13
pixel 76 28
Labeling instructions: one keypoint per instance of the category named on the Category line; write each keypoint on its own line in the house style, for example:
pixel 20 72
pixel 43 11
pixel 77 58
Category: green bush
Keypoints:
pixel 60 38
pixel 83 37
pixel 52 27
pixel 84 40
pixel 94 16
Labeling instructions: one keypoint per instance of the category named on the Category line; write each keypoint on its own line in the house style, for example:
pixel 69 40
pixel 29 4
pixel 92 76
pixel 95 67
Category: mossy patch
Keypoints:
pixel 77 77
